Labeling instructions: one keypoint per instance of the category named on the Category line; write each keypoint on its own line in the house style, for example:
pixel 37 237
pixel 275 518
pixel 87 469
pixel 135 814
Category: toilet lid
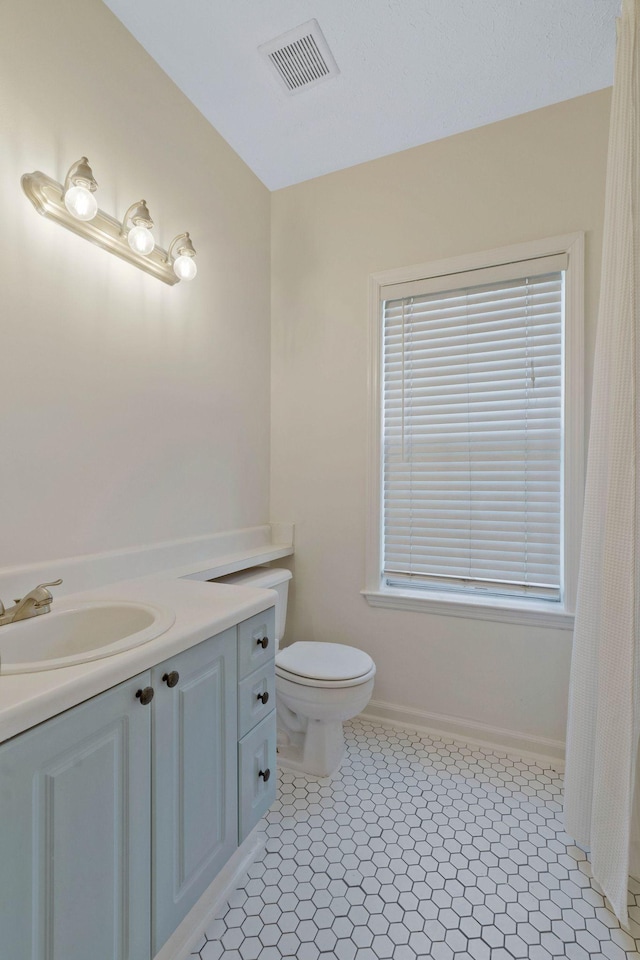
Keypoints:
pixel 324 661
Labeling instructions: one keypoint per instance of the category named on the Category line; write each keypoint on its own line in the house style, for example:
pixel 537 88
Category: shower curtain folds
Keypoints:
pixel 604 698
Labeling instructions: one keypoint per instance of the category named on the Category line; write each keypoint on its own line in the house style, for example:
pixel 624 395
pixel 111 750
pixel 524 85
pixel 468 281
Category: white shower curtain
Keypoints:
pixel 604 701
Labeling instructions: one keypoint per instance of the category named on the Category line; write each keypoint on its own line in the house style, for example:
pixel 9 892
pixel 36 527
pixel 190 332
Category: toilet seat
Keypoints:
pixel 332 665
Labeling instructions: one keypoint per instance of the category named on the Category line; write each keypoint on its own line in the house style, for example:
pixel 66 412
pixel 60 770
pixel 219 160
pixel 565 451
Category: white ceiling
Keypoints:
pixel 411 71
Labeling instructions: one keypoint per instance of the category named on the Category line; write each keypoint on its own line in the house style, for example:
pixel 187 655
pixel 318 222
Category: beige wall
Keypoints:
pixel 130 412
pixel 533 176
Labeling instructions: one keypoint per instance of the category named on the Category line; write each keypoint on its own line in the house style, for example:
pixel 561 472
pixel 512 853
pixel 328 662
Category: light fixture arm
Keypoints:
pixel 186 250
pixel 139 215
pixel 80 174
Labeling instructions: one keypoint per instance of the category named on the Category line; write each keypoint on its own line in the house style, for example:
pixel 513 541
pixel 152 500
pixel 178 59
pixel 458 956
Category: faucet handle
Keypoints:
pixel 41 596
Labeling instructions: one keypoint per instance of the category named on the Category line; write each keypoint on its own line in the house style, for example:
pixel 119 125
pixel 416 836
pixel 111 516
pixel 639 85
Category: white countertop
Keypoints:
pixel 201 611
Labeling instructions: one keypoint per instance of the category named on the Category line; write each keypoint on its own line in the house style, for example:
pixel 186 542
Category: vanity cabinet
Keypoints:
pixel 117 815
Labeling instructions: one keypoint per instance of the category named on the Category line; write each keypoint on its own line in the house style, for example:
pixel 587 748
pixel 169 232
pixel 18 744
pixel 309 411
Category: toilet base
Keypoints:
pixel 317 752
pixel 310 718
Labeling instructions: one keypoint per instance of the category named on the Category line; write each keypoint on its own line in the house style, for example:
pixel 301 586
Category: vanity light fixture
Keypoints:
pixel 184 265
pixel 74 206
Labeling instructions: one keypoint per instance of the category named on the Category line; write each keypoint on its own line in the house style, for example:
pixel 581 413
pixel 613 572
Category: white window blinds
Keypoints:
pixel 472 431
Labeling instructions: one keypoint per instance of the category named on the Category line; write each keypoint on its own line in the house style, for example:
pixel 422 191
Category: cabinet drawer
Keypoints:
pixel 256 642
pixel 256 698
pixel 257 774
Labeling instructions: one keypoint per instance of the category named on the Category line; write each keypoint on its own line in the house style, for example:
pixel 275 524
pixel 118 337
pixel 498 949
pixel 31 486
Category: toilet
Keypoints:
pixel 318 686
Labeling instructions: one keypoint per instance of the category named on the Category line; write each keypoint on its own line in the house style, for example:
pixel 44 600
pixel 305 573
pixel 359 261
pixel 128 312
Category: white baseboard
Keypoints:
pixel 524 745
pixel 188 936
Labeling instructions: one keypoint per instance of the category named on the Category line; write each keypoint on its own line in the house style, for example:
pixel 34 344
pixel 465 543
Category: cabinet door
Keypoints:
pixel 257 774
pixel 195 776
pixel 74 833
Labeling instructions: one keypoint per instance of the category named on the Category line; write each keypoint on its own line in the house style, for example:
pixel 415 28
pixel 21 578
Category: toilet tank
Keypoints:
pixel 266 578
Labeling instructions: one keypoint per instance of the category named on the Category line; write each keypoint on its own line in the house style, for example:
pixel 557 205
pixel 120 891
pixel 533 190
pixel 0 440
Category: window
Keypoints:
pixel 478 403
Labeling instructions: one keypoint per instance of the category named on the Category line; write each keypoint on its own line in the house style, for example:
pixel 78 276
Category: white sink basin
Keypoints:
pixel 85 631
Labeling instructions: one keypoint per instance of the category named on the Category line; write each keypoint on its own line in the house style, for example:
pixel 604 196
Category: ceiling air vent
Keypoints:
pixel 301 57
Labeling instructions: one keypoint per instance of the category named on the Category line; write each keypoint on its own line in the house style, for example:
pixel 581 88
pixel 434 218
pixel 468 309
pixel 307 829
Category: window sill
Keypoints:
pixel 527 612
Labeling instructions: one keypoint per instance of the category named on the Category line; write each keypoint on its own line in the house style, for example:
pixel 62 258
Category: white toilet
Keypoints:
pixel 318 686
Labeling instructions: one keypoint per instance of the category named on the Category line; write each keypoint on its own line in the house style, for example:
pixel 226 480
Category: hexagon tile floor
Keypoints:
pixel 419 847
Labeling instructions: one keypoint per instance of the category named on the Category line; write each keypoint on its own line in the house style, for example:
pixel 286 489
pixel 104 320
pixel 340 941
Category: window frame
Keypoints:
pixel 508 609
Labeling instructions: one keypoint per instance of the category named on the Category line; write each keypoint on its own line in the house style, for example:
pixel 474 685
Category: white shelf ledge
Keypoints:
pixel 242 560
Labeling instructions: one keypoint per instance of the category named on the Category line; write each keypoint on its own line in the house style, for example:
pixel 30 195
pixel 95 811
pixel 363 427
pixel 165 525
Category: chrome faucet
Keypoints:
pixel 34 603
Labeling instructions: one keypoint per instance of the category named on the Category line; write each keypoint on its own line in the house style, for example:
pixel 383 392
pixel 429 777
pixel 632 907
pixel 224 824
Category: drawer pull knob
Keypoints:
pixel 264 643
pixel 172 678
pixel 145 696
pixel 263 696
pixel 265 774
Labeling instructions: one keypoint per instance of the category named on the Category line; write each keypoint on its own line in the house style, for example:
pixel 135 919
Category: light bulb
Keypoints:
pixel 141 240
pixel 80 203
pixel 185 267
